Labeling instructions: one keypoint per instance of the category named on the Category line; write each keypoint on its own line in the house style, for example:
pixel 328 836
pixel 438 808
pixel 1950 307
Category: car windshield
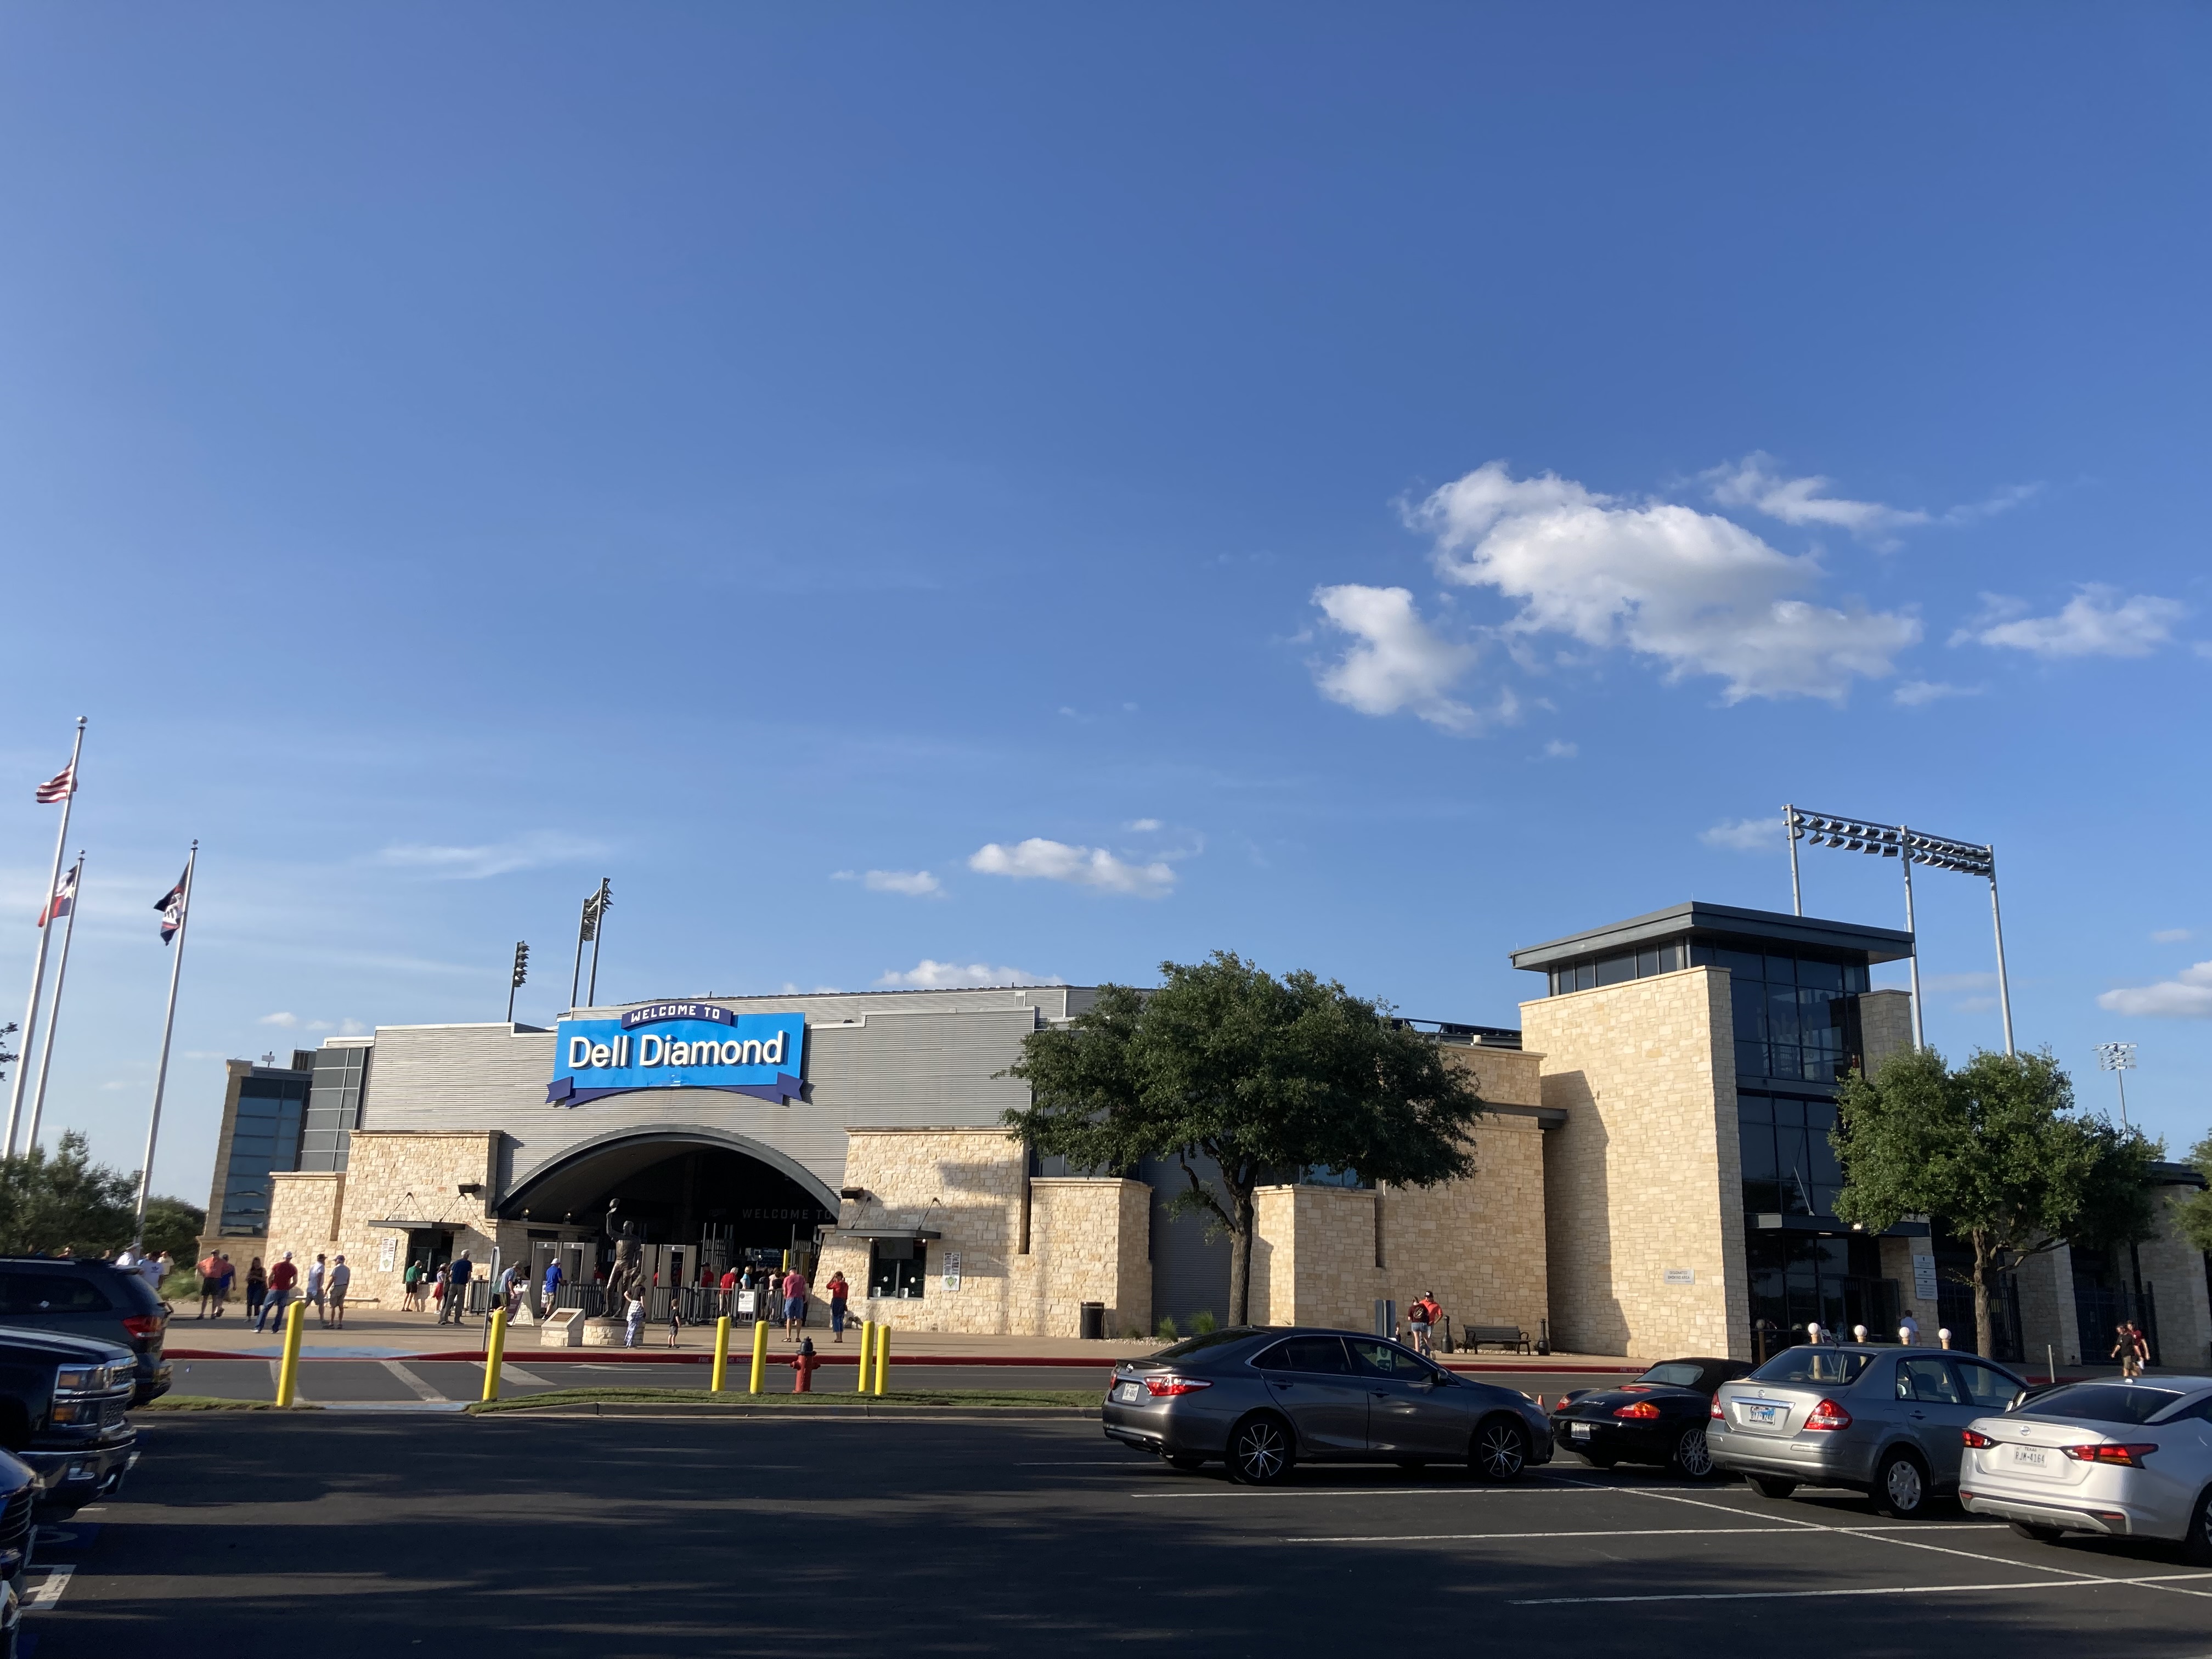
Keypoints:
pixel 2101 1402
pixel 1674 1374
pixel 1812 1366
pixel 1191 1345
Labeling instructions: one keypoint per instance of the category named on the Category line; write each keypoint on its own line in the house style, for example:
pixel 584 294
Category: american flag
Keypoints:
pixel 60 786
pixel 64 896
pixel 171 904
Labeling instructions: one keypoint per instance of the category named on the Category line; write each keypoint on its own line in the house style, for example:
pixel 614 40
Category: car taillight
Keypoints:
pixel 1828 1415
pixel 1161 1386
pixel 1641 1408
pixel 1716 1414
pixel 2127 1457
pixel 1977 1440
pixel 143 1324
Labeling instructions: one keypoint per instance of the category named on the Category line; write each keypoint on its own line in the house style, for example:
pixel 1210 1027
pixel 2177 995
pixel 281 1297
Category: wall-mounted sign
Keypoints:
pixel 952 1270
pixel 1923 1278
pixel 1679 1276
pixel 679 1045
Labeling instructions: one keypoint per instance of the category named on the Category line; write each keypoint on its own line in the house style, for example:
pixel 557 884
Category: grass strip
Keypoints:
pixel 207 1402
pixel 979 1398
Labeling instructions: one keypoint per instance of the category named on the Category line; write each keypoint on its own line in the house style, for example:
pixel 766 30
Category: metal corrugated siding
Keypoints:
pixel 1189 1275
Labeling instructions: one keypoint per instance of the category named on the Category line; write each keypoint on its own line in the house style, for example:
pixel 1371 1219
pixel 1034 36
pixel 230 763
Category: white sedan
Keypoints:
pixel 2125 1458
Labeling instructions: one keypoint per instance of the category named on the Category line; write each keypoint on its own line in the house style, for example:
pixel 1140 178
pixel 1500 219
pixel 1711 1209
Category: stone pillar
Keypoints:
pixel 2047 1309
pixel 1885 1025
pixel 1897 1254
pixel 2173 1270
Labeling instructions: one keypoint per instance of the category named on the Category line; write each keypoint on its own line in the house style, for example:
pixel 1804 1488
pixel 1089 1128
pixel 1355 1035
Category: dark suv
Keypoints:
pixel 62 1406
pixel 95 1299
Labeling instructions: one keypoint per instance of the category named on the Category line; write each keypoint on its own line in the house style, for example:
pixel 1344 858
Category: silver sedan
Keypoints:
pixel 2131 1460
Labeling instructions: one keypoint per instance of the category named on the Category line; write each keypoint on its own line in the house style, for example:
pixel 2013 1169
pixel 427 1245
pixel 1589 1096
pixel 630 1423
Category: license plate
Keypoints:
pixel 1128 1391
pixel 2033 1456
pixel 1757 1413
pixel 1580 1430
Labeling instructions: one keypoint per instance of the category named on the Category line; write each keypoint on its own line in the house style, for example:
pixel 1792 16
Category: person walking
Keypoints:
pixel 282 1278
pixel 210 1267
pixel 1908 1331
pixel 552 1284
pixel 256 1289
pixel 840 1297
pixel 729 1288
pixel 2130 1350
pixel 795 1303
pixel 316 1275
pixel 457 1291
pixel 334 1291
pixel 1423 1316
pixel 411 1288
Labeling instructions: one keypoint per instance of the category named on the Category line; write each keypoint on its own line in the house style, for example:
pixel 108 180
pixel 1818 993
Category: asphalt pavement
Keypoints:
pixel 357 1535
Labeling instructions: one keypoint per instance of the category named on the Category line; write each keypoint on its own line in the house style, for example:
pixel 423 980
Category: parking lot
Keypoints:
pixel 359 1533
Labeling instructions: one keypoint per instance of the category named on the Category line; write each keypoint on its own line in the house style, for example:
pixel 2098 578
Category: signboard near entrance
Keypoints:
pixel 679 1045
pixel 1923 1278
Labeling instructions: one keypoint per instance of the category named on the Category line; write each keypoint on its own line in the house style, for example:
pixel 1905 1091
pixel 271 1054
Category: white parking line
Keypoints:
pixel 513 1373
pixel 1624 1532
pixel 422 1390
pixel 2156 1582
pixel 1251 1492
pixel 49 1593
pixel 277 1383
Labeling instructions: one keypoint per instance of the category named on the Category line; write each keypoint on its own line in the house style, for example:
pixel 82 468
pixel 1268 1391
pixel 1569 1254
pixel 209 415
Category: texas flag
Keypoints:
pixel 171 904
pixel 64 896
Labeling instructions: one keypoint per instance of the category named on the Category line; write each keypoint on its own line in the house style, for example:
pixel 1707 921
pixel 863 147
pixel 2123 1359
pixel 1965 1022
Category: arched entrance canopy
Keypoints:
pixel 608 1158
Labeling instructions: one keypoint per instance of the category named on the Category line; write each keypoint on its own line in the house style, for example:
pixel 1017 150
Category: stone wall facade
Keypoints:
pixel 2174 1272
pixel 394 1175
pixel 1642 1183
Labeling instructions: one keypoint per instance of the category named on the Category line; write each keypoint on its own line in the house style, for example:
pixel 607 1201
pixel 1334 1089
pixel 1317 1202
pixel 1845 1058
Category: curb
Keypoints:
pixel 685 1357
pixel 849 1413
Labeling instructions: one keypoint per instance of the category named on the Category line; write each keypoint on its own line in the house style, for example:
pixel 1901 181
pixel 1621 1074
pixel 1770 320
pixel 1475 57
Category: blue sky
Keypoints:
pixel 914 497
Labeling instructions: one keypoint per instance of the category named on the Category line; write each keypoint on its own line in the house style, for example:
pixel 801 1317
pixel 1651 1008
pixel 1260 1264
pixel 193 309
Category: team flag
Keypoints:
pixel 64 897
pixel 171 904
pixel 60 786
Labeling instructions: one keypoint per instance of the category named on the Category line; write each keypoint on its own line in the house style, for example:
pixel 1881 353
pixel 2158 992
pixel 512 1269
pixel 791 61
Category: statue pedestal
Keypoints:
pixel 604 1334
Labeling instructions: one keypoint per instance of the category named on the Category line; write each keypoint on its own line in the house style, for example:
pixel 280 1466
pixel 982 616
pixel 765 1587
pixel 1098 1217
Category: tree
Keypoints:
pixel 174 1225
pixel 2193 1214
pixel 1997 1151
pixel 61 1200
pixel 1264 1078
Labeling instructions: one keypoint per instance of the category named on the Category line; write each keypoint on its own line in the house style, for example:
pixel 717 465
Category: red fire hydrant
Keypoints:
pixel 805 1362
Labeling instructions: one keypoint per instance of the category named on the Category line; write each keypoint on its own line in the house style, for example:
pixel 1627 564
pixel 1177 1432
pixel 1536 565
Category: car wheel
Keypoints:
pixel 1772 1486
pixel 2040 1534
pixel 1499 1451
pixel 1260 1452
pixel 1180 1461
pixel 2197 1543
pixel 1901 1486
pixel 1692 1459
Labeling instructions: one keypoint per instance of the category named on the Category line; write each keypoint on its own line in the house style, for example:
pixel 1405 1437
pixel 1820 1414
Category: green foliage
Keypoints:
pixel 1997 1151
pixel 1259 1078
pixel 61 1200
pixel 1165 1330
pixel 2193 1214
pixel 1203 1323
pixel 174 1225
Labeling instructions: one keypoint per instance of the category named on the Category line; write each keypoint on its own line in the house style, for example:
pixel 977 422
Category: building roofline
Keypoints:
pixel 1718 921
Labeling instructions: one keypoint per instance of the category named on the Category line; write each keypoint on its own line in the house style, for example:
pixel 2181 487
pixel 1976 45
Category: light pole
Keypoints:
pixel 1911 846
pixel 2118 1059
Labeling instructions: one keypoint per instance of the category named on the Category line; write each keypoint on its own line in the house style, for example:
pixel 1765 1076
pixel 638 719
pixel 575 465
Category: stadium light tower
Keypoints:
pixel 2118 1059
pixel 1909 847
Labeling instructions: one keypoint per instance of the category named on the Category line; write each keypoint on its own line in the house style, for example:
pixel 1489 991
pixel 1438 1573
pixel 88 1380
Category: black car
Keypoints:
pixel 1261 1399
pixel 63 1400
pixel 95 1299
pixel 1660 1418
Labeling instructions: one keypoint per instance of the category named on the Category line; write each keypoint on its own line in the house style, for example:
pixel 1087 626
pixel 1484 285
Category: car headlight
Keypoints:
pixel 74 1378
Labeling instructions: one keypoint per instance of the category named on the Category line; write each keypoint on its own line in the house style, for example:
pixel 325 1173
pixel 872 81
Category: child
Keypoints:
pixel 805 1362
pixel 675 1315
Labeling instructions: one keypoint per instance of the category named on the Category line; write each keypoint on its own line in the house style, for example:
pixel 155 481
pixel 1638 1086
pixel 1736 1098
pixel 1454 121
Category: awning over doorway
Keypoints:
pixel 916 1234
pixel 416 1226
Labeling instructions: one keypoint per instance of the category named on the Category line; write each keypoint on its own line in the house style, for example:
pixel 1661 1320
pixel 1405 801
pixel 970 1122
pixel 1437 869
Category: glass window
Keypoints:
pixel 1781 970
pixel 1586 976
pixel 1751 1060
pixel 1380 1359
pixel 1612 970
pixel 1191 1345
pixel 1741 964
pixel 1928 1381
pixel 1787 1110
pixel 1751 1107
pixel 897 1267
pixel 1671 957
pixel 1701 954
pixel 2101 1402
pixel 1781 1013
pixel 1674 1374
pixel 1824 976
pixel 1855 978
pixel 1647 963
pixel 37 1293
pixel 1316 1356
pixel 1762 1193
pixel 1815 1365
pixel 1748 1004
pixel 1988 1387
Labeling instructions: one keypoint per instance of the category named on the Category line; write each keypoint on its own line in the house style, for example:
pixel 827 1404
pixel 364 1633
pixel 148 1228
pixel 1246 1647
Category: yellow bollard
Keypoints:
pixel 495 1352
pixel 867 1330
pixel 883 1357
pixel 721 1353
pixel 287 1372
pixel 760 1354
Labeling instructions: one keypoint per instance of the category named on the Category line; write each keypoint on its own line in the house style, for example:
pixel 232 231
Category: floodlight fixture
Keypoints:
pixel 1909 847
pixel 2118 1059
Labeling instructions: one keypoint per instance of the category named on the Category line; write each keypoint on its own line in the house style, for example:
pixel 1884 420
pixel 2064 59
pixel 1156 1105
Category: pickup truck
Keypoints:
pixel 63 1400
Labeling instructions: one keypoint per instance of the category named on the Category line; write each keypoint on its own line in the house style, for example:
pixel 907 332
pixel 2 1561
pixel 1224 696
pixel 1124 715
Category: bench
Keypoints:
pixel 1511 1338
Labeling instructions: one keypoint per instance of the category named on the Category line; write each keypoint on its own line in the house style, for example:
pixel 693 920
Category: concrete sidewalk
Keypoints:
pixel 385 1336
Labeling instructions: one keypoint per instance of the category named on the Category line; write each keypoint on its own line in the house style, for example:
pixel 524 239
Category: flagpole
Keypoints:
pixel 45 934
pixel 577 973
pixel 168 1025
pixel 54 1013
pixel 600 906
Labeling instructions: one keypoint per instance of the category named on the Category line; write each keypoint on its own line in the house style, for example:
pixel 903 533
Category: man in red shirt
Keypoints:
pixel 730 1291
pixel 282 1278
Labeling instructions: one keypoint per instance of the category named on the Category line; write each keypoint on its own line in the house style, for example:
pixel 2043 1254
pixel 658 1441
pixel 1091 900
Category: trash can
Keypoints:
pixel 1094 1322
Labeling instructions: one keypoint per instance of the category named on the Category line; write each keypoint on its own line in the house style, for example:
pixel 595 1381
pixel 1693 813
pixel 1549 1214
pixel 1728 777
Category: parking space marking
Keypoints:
pixel 49 1593
pixel 2153 1582
pixel 513 1373
pixel 1255 1493
pixel 422 1390
pixel 1623 1532
pixel 277 1383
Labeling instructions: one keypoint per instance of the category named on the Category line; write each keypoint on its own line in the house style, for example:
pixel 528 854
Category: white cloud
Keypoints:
pixel 1915 694
pixel 1697 591
pixel 1746 836
pixel 1397 660
pixel 1039 860
pixel 2171 935
pixel 1752 482
pixel 915 883
pixel 930 975
pixel 2095 623
pixel 1556 750
pixel 290 1022
pixel 352 1028
pixel 1143 826
pixel 2187 995
pixel 527 852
